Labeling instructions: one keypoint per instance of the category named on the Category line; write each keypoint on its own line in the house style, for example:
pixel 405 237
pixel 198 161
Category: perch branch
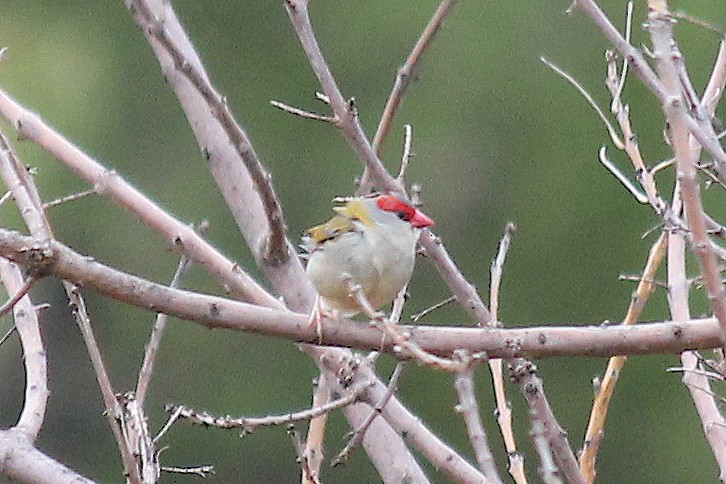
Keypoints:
pixel 42 258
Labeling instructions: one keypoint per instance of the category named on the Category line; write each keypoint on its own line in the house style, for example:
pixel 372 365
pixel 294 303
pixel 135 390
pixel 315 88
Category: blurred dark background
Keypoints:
pixel 498 137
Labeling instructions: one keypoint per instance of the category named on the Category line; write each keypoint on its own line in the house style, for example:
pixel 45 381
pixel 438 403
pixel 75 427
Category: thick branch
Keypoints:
pixel 216 312
pixel 22 462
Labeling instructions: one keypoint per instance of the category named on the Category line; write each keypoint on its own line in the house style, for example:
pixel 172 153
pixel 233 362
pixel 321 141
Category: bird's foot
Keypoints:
pixel 317 314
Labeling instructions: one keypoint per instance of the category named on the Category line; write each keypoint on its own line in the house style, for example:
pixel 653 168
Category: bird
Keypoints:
pixel 370 242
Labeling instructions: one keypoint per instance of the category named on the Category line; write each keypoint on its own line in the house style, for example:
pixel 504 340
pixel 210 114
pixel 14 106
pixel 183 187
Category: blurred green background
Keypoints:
pixel 498 137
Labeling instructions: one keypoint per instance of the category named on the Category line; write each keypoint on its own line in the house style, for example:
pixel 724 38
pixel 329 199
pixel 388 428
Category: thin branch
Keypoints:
pixel 598 415
pixel 624 73
pixel 416 317
pixel 469 409
pixel 8 334
pixel 406 154
pixel 22 291
pixel 157 331
pixel 313 452
pixel 360 432
pixel 250 424
pixel 7 196
pixel 601 114
pixel 699 125
pixel 544 422
pixel 201 471
pixel 35 363
pixel 406 73
pixel 504 407
pixel 403 344
pixel 299 112
pixel 114 412
pixel 69 198
pixel 637 194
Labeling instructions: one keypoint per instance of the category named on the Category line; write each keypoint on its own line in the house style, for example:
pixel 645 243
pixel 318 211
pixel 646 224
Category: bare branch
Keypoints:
pixel 406 155
pixel 504 408
pixel 596 424
pixel 157 331
pixel 68 198
pixel 699 125
pixel 469 409
pixel 360 432
pixel 250 424
pixel 611 131
pixel 277 251
pixel 524 374
pixel 313 452
pixel 406 73
pixel 24 463
pixel 299 112
pixel 637 194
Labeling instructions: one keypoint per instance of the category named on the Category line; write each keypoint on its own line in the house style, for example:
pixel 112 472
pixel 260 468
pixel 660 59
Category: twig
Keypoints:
pixel 27 285
pixel 406 72
pixel 360 432
pixel 313 452
pixel 69 198
pixel 250 424
pixel 7 335
pixel 430 309
pixel 469 409
pixel 307 473
pixel 504 408
pixel 406 155
pixel 497 268
pixel 611 130
pixel 114 411
pixel 598 415
pixel 7 196
pixel 299 112
pixel 201 471
pixel 170 421
pixel 402 341
pixel 699 22
pixel 637 194
pixel 624 73
pixel 544 422
pixel 157 331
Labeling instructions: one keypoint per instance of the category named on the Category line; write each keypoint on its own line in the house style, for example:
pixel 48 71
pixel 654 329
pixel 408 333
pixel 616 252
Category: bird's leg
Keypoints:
pixel 318 313
pixel 356 292
pixel 316 317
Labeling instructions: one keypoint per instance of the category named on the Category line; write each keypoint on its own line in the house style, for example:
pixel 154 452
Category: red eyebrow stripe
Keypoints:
pixel 391 203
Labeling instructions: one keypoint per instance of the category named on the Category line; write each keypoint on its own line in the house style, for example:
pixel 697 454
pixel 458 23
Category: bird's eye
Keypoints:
pixel 405 216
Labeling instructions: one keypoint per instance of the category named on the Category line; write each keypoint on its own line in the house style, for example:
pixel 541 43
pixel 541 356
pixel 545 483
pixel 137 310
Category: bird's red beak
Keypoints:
pixel 420 220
